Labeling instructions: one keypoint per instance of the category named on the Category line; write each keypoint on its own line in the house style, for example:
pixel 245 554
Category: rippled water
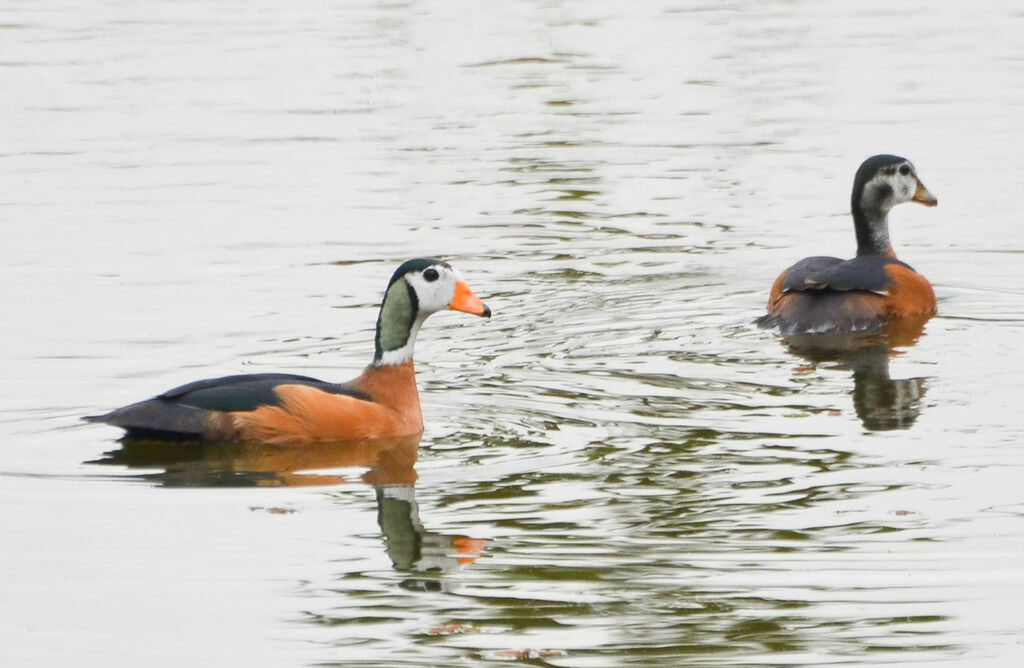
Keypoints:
pixel 618 468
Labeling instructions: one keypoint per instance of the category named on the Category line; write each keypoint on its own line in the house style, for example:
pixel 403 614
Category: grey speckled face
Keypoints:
pixel 894 184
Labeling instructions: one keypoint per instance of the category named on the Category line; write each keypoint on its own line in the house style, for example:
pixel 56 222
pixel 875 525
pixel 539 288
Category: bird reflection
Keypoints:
pixel 389 465
pixel 882 402
pixel 412 548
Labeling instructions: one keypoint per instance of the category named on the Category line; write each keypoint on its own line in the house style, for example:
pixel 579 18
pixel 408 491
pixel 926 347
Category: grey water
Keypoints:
pixel 618 469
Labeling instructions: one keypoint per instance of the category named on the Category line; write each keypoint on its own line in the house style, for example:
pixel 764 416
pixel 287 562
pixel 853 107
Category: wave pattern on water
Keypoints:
pixel 619 468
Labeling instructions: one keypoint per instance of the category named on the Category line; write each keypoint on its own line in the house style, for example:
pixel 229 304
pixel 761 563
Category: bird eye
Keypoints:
pixel 904 169
pixel 430 275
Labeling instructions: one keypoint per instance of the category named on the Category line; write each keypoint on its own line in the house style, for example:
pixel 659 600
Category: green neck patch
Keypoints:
pixel 397 314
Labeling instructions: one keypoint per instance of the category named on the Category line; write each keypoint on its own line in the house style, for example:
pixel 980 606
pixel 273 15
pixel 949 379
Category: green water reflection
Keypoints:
pixel 657 558
pixel 389 469
pixel 882 403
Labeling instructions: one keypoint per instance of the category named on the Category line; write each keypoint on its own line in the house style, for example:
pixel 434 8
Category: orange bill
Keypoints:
pixel 923 196
pixel 466 301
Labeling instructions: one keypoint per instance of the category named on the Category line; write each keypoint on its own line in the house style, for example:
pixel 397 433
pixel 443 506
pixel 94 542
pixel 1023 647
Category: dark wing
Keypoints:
pixel 224 381
pixel 865 273
pixel 184 411
pixel 809 274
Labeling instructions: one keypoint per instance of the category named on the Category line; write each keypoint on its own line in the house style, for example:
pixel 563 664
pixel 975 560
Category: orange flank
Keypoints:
pixel 776 294
pixel 910 293
pixel 308 414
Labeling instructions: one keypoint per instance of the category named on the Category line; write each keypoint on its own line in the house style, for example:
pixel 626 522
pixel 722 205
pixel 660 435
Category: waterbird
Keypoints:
pixel 383 402
pixel 827 295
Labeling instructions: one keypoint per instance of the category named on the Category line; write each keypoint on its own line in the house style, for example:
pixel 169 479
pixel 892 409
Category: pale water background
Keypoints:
pixel 192 189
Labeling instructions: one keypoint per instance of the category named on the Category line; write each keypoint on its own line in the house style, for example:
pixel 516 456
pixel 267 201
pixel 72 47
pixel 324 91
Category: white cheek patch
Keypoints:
pixel 434 296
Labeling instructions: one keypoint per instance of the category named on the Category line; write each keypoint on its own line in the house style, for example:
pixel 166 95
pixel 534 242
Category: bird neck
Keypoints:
pixel 872 226
pixel 397 325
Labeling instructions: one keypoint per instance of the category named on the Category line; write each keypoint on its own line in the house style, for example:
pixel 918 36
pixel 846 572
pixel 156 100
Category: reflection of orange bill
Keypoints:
pixel 453 627
pixel 468 549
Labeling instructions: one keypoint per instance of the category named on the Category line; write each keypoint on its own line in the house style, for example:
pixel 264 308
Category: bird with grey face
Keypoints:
pixel 828 295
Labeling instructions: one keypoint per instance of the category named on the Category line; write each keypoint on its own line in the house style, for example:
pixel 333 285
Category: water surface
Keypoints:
pixel 618 469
